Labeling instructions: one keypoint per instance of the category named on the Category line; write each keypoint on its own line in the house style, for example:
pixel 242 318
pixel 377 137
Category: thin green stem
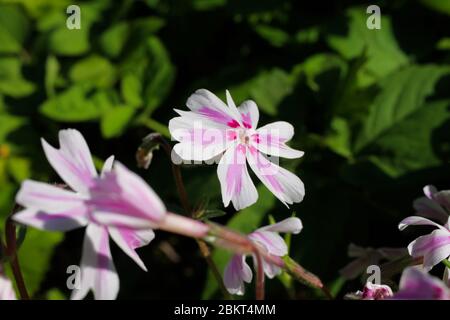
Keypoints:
pixel 446 263
pixel 154 125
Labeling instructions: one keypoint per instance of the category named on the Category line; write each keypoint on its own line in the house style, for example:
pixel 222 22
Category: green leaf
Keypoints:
pixel 161 75
pixel 316 65
pixel 443 44
pixel 51 75
pixel 204 5
pixel 94 70
pixel 275 36
pixel 72 105
pixel 415 142
pixel 245 221
pixel 383 53
pixel 114 38
pixel 144 27
pixel 308 35
pixel 73 42
pixel 402 94
pixel 339 139
pixel 19 168
pixel 437 5
pixel 55 294
pixel 14 28
pixel 11 81
pixel 35 256
pixel 8 124
pixel 114 121
pixel 66 42
pixel 269 88
pixel 131 89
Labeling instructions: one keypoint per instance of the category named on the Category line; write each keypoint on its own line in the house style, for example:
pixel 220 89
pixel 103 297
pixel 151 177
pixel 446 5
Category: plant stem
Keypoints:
pixel 10 230
pixel 204 249
pixel 259 275
pixel 206 253
pixel 446 263
pixel 177 176
pixel 154 125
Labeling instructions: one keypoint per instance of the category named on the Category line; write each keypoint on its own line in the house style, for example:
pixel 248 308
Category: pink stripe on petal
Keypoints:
pixel 122 196
pixel 128 240
pixel 272 140
pixel 249 114
pixel 218 116
pixel 434 247
pixel 98 272
pixel 64 221
pixel 73 161
pixel 271 241
pixel 236 273
pixel 45 197
pixel 285 185
pixel 416 284
pixel 416 220
pixel 235 181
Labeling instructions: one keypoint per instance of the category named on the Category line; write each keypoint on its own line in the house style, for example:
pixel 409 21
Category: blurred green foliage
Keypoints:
pixel 371 109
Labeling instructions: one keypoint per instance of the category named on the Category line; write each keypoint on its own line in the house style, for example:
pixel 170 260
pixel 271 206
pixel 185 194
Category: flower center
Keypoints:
pixel 244 136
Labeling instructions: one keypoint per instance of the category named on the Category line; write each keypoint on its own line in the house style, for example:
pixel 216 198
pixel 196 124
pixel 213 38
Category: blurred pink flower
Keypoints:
pixel 416 284
pixel 365 257
pixel 372 291
pixel 435 204
pixel 6 289
pixel 433 247
pixel 213 130
pixel 50 207
pixel 238 271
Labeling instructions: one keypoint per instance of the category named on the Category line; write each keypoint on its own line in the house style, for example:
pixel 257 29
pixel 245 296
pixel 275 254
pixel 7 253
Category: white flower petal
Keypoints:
pixel 289 225
pixel 128 240
pixel 285 185
pixel 271 139
pixel 98 272
pixel 235 180
pixel 73 161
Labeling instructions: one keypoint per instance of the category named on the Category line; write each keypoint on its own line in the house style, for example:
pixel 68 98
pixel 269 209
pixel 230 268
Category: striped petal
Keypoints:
pixel 235 181
pixel 418 221
pixel 286 186
pixel 236 273
pixel 64 221
pixel 249 114
pixel 289 225
pixel 123 199
pixel 415 284
pixel 208 105
pixel 271 140
pixel 73 161
pixel 98 272
pixel 434 248
pixel 129 240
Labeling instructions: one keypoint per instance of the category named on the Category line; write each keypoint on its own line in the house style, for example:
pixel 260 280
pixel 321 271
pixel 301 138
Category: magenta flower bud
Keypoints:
pixel 376 291
pixel 416 284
